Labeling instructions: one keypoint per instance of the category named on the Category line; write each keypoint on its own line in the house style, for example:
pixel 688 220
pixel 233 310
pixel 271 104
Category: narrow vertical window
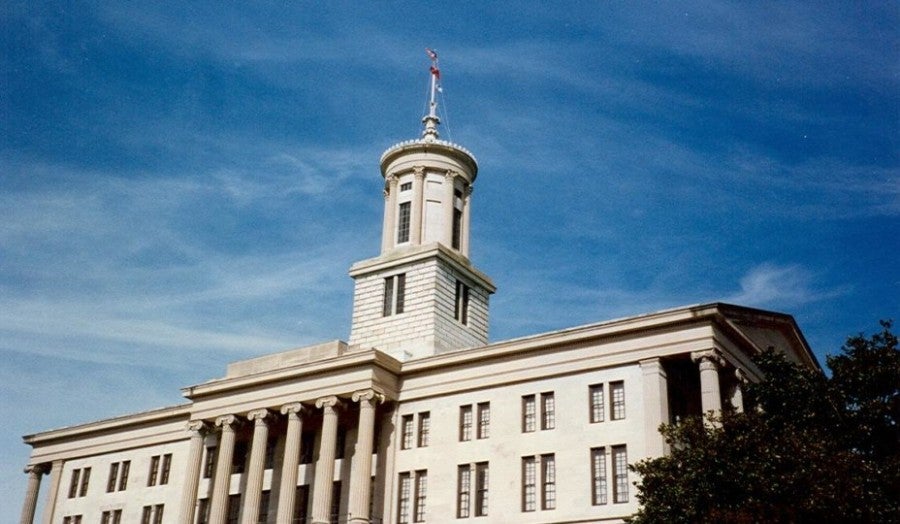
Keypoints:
pixel 465 423
pixel 620 474
pixel 548 411
pixel 210 467
pixel 117 517
pixel 113 476
pixel 85 479
pixel 528 414
pixel 407 436
pixel 301 504
pixel 424 429
pixel 270 453
pixel 463 491
pixel 104 517
pixel 484 420
pixel 73 483
pixel 233 513
pixel 457 227
pixel 123 475
pixel 403 498
pixel 421 493
pixel 481 489
pixel 403 223
pixel 146 514
pixel 203 511
pixel 166 468
pixel 461 308
pixel 158 514
pixel 264 500
pixel 598 405
pixel 548 481
pixel 154 470
pixel 598 476
pixel 394 295
pixel 617 400
pixel 335 501
pixel 529 484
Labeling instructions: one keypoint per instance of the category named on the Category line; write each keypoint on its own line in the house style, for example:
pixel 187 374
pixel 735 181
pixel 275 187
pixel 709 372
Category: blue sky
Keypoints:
pixel 186 184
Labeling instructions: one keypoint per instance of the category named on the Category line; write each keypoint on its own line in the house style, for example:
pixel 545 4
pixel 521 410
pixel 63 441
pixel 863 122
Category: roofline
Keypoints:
pixel 142 417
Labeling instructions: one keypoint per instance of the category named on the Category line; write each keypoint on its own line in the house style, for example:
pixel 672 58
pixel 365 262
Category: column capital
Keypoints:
pixel 259 415
pixel 450 174
pixel 227 421
pixel 331 401
pixel 419 171
pixel 294 408
pixel 741 376
pixel 37 469
pixel 469 189
pixel 197 426
pixel 368 395
pixel 710 356
pixel 391 179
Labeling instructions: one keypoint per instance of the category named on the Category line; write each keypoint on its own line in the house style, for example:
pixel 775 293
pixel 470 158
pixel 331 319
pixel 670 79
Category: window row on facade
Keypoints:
pixel 538 412
pixel 152 514
pixel 117 480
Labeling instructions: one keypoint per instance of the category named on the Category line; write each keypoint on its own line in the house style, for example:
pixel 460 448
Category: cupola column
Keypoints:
pixel 466 217
pixel 390 212
pixel 417 203
pixel 449 206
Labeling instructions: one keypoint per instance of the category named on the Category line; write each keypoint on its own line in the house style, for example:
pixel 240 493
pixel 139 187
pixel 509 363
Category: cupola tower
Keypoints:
pixel 421 296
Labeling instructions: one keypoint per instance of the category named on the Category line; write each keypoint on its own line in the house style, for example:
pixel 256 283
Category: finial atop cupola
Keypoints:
pixel 431 120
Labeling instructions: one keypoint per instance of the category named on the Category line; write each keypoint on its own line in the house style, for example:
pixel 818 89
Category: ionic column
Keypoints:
pixel 253 490
pixel 467 214
pixel 449 197
pixel 325 466
pixel 293 413
pixel 50 505
pixel 361 474
pixel 656 405
pixel 737 394
pixel 417 202
pixel 222 481
pixel 710 394
pixel 35 472
pixel 389 236
pixel 192 474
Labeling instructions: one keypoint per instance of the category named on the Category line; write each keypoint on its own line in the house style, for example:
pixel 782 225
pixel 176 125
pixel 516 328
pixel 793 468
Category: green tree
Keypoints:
pixel 810 449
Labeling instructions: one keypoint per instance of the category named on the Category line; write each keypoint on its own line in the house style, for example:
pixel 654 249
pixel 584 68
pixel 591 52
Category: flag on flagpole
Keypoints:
pixel 436 72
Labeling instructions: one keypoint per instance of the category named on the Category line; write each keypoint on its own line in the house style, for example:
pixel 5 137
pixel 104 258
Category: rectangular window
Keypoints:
pixel 264 507
pixel 307 445
pixel 271 443
pixel 548 481
pixel 210 467
pixel 158 514
pixel 239 457
pixel 529 484
pixel 403 223
pixel 461 308
pixel 407 440
pixel 166 468
pixel 341 445
pixel 394 295
pixel 146 514
pixel 123 475
pixel 465 423
pixel 73 483
pixel 484 420
pixel 203 511
pixel 424 429
pixel 113 476
pixel 528 414
pixel 463 490
pixel 481 489
pixel 620 474
pixel 421 492
pixel 233 513
pixel 154 470
pixel 598 476
pixel 406 186
pixel 117 517
pixel 617 400
pixel 301 503
pixel 403 498
pixel 548 411
pixel 85 479
pixel 457 227
pixel 335 501
pixel 598 405
pixel 105 517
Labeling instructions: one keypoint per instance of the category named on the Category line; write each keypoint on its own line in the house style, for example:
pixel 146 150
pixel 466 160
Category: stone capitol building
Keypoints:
pixel 417 417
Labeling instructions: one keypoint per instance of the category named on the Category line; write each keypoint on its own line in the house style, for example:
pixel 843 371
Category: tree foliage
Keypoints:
pixel 809 449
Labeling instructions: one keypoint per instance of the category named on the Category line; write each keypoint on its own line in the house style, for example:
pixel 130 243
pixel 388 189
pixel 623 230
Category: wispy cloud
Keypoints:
pixel 782 286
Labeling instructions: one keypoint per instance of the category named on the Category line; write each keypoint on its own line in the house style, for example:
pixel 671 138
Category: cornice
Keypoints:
pixel 397 258
pixel 154 416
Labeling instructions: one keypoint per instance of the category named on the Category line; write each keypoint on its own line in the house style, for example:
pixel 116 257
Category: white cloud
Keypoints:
pixel 781 286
